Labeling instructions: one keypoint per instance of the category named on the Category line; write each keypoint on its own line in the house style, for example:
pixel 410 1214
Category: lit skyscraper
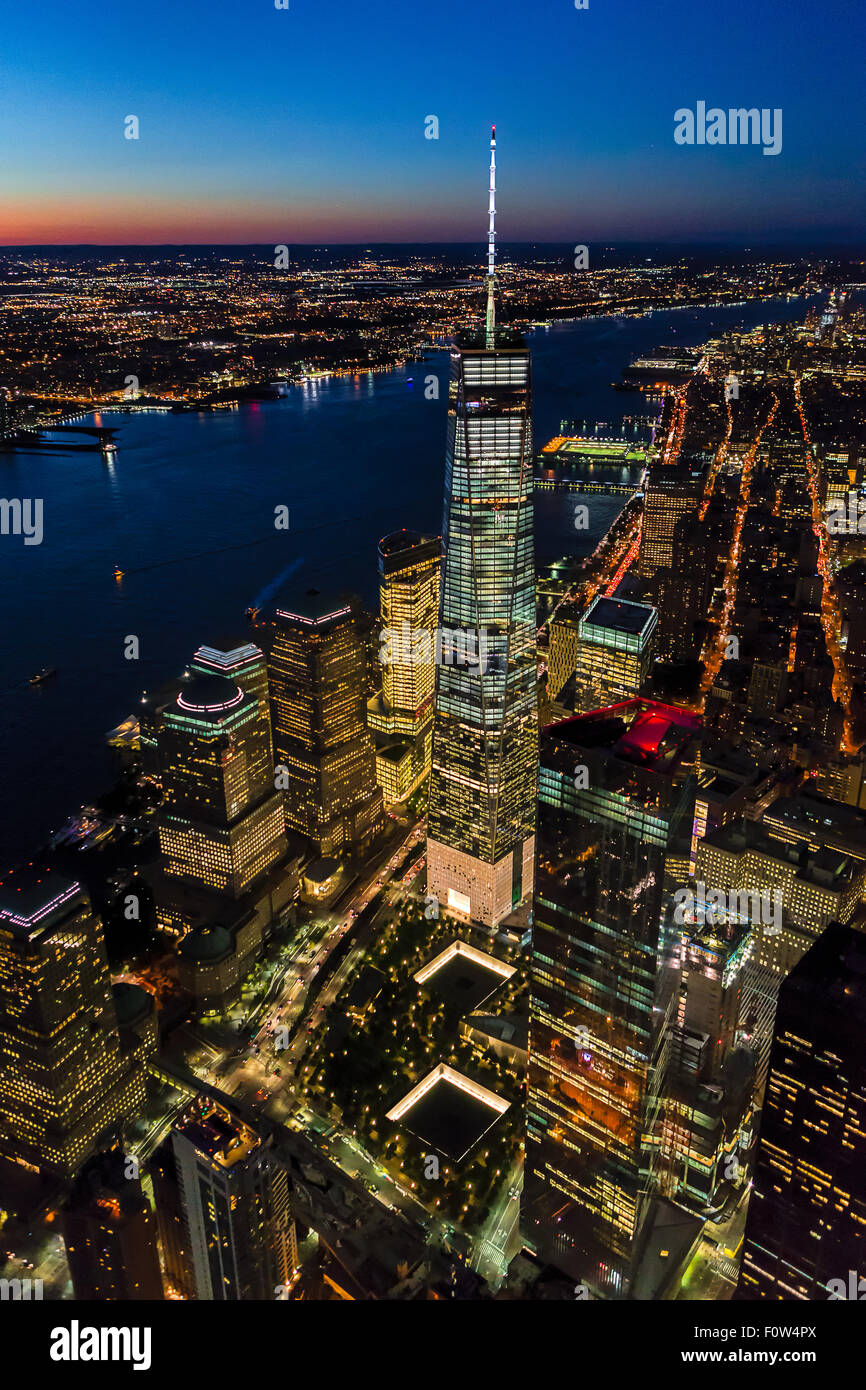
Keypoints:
pixel 672 492
pixel 481 826
pixel 235 1205
pixel 564 632
pixel 707 1113
pixel 807 1213
pixel 221 825
pixel 811 884
pixel 615 652
pixel 616 804
pixel 65 1081
pixel 317 670
pixel 402 714
pixel 245 665
pixel 109 1230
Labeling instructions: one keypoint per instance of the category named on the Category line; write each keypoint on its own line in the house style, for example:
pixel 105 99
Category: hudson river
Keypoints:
pixel 351 458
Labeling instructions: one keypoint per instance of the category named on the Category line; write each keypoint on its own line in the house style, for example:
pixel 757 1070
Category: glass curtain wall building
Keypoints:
pixel 615 651
pixel 480 844
pixel 616 801
pixel 481 822
pixel 317 671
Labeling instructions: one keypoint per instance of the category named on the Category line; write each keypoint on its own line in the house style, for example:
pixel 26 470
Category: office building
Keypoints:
pixel 563 637
pixel 615 652
pixel 66 1082
pixel 843 779
pixel 814 885
pixel 178 1273
pixel 707 1112
pixel 322 748
pixel 789 889
pixel 673 492
pixel 840 473
pixel 221 822
pixel 729 786
pixel 481 820
pixel 235 1201
pixel 245 665
pixel 109 1231
pixel 806 1223
pixel 615 810
pixel 401 714
pixel 809 819
pixel 682 591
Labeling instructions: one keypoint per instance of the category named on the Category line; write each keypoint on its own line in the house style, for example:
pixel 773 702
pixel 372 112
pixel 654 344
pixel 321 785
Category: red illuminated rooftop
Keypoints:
pixel 645 732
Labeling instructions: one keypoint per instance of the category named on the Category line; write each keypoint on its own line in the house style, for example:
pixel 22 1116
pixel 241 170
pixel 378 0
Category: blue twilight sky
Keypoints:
pixel 307 124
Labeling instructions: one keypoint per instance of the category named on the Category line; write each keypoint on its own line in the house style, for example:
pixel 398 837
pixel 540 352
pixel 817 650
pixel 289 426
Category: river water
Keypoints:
pixel 351 458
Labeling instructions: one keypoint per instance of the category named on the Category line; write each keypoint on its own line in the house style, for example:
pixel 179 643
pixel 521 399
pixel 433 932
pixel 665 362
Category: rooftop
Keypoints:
pixel 232 660
pixel 217 1134
pixel 321 870
pixel 399 545
pixel 619 614
pixel 823 866
pixel 644 732
pixel 827 988
pixel 212 696
pixel 132 1003
pixel 30 899
pixel 314 609
pixel 817 817
pixel 506 339
pixel 207 944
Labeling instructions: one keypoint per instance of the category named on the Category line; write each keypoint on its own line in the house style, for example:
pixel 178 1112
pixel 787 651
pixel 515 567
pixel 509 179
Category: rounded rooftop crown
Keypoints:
pixel 206 944
pixel 398 541
pixel 131 1002
pixel 209 695
pixel 396 550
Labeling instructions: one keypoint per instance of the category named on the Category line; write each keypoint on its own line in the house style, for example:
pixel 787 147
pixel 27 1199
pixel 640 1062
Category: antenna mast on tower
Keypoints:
pixel 491 244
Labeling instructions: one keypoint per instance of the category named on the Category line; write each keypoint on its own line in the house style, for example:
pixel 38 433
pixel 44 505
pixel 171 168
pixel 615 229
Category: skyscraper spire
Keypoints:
pixel 491 244
pixel 484 756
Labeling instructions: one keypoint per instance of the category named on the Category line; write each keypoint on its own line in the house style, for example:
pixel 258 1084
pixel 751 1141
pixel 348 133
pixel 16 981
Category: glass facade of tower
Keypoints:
pixel 481 823
pixel 672 492
pixel 614 797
